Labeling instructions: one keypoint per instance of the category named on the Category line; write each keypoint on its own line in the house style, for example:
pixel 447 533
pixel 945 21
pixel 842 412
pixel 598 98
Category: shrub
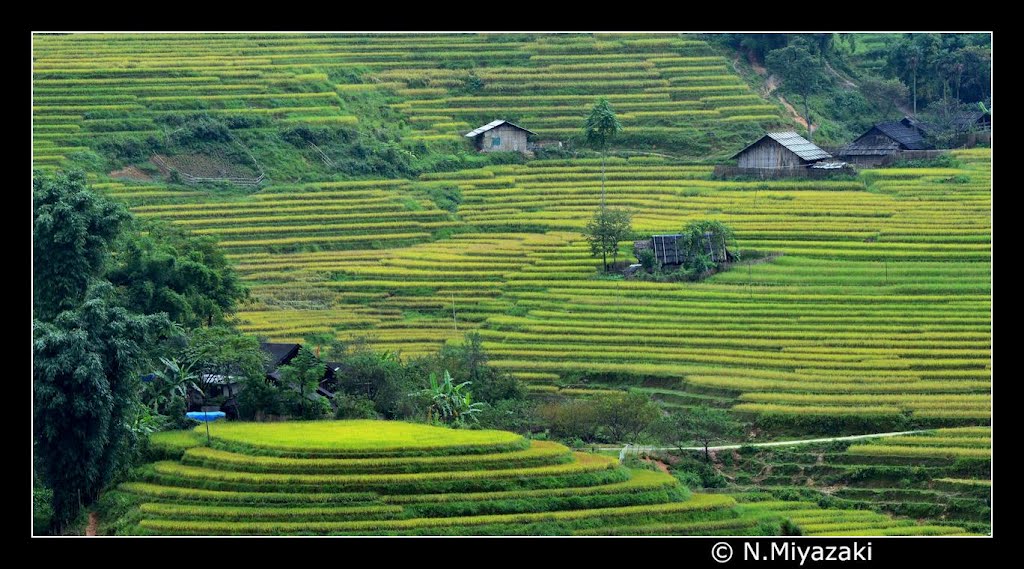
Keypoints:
pixel 354 407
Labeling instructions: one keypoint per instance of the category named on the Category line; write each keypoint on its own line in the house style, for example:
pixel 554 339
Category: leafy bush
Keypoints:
pixel 516 415
pixel 354 407
pixel 447 198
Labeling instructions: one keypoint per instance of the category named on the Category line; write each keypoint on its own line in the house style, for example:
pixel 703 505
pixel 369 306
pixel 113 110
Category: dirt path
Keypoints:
pixel 131 173
pixel 634 448
pixel 845 81
pixel 771 83
pixel 658 464
pixel 94 523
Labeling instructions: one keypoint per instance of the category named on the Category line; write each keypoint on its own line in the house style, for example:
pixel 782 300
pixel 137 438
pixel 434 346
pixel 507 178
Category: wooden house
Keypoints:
pixel 883 140
pixel 973 121
pixel 780 151
pixel 500 136
pixel 278 355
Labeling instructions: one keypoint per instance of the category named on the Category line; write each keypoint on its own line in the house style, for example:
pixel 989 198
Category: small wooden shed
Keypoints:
pixel 779 151
pixel 667 252
pixel 883 140
pixel 500 136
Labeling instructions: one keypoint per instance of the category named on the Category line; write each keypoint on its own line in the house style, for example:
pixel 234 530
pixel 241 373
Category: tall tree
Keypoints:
pixel 605 230
pixel 73 232
pixel 911 58
pixel 800 73
pixel 87 349
pixel 601 127
pixel 86 366
pixel 162 268
pixel 976 80
pixel 219 352
pixel 626 416
pixel 708 425
pixel 302 376
pixel 884 94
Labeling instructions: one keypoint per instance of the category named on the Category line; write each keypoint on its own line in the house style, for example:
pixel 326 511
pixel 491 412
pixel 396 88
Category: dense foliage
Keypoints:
pixel 604 232
pixel 73 234
pixel 162 268
pixel 93 340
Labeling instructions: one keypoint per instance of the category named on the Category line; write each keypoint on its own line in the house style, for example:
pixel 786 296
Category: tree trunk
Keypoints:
pixel 707 453
pixel 807 115
pixel 915 92
pixel 603 154
pixel 604 259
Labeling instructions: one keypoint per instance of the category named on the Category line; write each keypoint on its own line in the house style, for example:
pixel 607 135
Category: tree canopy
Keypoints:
pixel 92 338
pixel 85 372
pixel 599 129
pixel 73 232
pixel 703 425
pixel 602 125
pixel 801 73
pixel 300 378
pixel 161 268
pixel 604 232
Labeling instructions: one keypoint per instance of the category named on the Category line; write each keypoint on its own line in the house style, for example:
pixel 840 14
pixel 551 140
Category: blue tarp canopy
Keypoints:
pixel 205 416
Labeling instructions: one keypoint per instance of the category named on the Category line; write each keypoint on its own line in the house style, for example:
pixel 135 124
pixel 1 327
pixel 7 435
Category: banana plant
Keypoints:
pixel 175 380
pixel 450 403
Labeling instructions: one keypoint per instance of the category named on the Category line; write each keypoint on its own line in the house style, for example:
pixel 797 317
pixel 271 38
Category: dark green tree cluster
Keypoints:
pixel 364 383
pixel 603 418
pixel 698 426
pixel 87 346
pixel 942 66
pixel 800 71
pixel 94 335
pixel 705 244
pixel 164 269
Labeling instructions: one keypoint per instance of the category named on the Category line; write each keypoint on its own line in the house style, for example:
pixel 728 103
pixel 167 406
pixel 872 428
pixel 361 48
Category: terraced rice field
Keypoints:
pixel 942 477
pixel 94 87
pixel 391 478
pixel 874 301
pixel 879 303
pixel 370 477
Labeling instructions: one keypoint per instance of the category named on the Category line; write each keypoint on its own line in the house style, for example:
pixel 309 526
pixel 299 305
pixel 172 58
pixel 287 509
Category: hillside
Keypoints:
pixel 375 478
pixel 878 305
pixel 357 209
pixel 319 106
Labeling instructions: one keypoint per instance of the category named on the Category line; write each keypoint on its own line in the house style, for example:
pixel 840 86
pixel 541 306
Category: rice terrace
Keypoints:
pixel 512 284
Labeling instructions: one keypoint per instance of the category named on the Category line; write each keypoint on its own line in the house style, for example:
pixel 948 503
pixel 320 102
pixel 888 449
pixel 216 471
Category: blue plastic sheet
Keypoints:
pixel 205 416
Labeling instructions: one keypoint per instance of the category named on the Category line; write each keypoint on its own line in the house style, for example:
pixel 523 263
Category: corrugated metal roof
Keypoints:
pixel 799 145
pixel 864 149
pixel 805 149
pixel 909 138
pixel 494 124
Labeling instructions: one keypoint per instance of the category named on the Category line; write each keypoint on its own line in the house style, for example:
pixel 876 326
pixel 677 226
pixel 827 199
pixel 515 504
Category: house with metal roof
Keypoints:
pixel 500 136
pixel 882 140
pixel 780 151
